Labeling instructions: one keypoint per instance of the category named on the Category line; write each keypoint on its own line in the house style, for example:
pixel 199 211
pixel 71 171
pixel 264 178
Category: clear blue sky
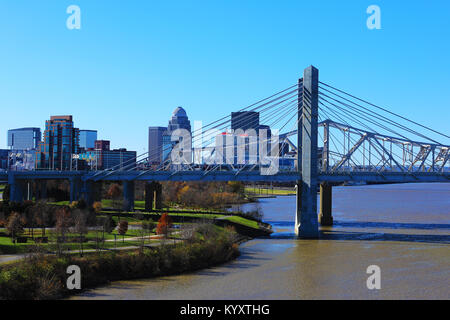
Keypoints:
pixel 134 61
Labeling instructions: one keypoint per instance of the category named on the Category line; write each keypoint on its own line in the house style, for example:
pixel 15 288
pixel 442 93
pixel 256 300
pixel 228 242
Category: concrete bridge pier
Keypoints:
pixel 41 190
pixel 153 196
pixel 30 190
pixel 90 191
pixel 17 190
pixel 158 196
pixel 75 189
pixel 325 215
pixel 149 196
pixel 128 196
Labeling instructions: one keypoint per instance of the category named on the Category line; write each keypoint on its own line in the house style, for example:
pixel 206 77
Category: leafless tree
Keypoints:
pixel 80 226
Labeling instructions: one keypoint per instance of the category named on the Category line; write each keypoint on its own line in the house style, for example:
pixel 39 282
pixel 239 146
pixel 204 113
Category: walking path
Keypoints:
pixel 6 258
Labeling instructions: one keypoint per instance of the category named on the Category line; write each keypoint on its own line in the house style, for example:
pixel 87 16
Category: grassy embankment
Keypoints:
pixel 207 214
pixel 181 216
pixel 45 277
pixel 269 191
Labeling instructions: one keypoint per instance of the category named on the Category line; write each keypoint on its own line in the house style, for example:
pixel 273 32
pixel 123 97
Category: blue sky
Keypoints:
pixel 133 61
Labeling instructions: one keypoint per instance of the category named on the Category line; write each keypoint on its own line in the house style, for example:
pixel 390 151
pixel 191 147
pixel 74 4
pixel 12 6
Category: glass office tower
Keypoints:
pixel 87 139
pixel 155 144
pixel 60 142
pixel 24 138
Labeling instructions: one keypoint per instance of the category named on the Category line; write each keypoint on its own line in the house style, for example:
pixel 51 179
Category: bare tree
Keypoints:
pixel 115 193
pixel 14 226
pixel 122 229
pixel 63 223
pixel 80 226
pixel 41 215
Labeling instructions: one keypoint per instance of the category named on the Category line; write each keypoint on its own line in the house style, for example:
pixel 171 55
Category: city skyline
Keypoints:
pixel 156 58
pixel 225 150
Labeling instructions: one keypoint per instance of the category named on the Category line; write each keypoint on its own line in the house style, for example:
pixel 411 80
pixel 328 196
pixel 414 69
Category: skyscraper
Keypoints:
pixel 155 144
pixel 4 159
pixel 60 142
pixel 87 139
pixel 103 145
pixel 24 138
pixel 248 149
pixel 179 120
pixel 160 142
pixel 244 120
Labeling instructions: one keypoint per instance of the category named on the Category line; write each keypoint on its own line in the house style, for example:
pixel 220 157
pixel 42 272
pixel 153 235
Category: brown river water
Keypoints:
pixel 404 229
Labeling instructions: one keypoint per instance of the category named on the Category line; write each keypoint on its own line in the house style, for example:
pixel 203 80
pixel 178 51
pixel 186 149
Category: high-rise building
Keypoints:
pixel 179 120
pixel 19 160
pixel 24 138
pixel 4 159
pixel 87 139
pixel 117 159
pixel 155 144
pixel 60 142
pixel 244 120
pixel 103 145
pixel 250 147
pixel 160 142
pixel 102 159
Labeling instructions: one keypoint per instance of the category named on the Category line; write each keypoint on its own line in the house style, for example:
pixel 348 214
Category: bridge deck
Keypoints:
pixel 370 177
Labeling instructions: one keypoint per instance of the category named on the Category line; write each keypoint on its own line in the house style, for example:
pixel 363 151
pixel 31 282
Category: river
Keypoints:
pixel 404 229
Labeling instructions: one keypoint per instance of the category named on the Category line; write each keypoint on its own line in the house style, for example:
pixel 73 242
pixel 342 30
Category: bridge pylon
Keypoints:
pixel 306 220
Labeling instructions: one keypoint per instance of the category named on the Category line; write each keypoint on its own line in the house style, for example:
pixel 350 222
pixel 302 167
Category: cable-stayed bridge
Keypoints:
pixel 312 133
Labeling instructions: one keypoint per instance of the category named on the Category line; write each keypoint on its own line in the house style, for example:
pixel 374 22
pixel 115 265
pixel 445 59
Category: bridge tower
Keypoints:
pixel 306 220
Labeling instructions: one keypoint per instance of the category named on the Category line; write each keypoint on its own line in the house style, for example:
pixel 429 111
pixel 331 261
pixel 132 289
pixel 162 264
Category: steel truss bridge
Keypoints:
pixel 339 138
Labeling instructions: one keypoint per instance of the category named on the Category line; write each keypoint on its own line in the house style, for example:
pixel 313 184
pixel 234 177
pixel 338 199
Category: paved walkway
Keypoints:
pixel 11 257
pixel 19 256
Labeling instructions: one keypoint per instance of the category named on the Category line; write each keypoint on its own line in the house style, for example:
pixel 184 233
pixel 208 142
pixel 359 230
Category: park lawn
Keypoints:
pixel 7 247
pixel 90 235
pixel 140 205
pixel 208 216
pixel 156 215
pixel 269 191
pixel 246 222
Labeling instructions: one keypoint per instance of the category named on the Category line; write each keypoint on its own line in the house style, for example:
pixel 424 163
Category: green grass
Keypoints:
pixel 7 247
pixel 268 191
pixel 172 212
pixel 243 221
pixel 140 205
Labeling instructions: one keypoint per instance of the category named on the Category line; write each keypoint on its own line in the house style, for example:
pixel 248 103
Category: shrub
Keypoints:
pixel 164 225
pixel 123 228
pixel 14 225
pixel 97 206
pixel 44 277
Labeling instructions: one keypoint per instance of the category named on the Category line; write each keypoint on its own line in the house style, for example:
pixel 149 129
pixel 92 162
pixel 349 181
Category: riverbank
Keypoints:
pixel 403 229
pixel 244 224
pixel 44 277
